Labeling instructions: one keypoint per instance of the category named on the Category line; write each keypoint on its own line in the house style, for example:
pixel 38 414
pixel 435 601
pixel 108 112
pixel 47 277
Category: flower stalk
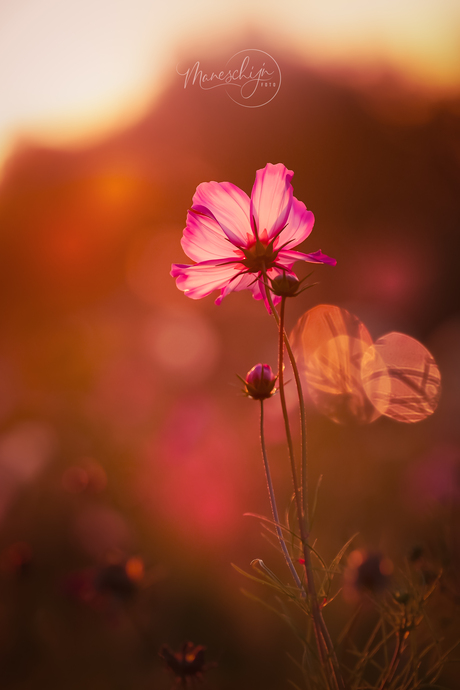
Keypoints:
pixel 237 242
pixel 324 644
pixel 273 506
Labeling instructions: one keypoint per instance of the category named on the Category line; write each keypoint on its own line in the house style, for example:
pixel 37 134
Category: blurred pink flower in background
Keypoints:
pixel 234 239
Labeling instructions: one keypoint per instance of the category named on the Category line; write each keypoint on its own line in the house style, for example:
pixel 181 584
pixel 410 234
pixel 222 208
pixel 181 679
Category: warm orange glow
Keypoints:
pixel 74 71
pixel 183 343
pixel 128 452
pixel 386 566
pixel 135 569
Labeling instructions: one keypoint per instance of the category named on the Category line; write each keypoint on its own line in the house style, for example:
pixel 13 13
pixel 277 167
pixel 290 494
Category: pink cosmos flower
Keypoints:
pixel 236 239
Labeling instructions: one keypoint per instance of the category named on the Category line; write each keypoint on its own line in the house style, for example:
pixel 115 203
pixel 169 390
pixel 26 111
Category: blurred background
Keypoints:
pixel 128 455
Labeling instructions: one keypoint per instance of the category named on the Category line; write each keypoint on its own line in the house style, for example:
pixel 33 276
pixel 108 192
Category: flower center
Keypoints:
pixel 261 255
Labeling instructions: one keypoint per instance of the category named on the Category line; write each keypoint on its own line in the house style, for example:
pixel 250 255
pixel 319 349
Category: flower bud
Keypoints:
pixel 285 285
pixel 260 382
pixel 402 597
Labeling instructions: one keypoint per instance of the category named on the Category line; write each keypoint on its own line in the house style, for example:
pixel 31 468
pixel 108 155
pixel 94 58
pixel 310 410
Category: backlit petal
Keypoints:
pixel 241 282
pixel 201 279
pixel 229 206
pixel 288 258
pixel 271 199
pixel 299 225
pixel 204 239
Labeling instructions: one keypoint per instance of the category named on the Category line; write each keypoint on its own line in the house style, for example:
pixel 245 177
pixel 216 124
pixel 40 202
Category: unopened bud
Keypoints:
pixel 402 597
pixel 260 382
pixel 285 285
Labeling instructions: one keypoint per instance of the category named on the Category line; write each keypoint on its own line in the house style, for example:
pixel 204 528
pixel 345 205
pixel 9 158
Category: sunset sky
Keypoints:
pixel 71 71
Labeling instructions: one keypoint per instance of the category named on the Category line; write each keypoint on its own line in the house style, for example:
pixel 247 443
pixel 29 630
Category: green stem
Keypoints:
pixel 324 644
pixel 297 495
pixel 395 658
pixel 303 433
pixel 303 416
pixel 271 494
pixel 315 611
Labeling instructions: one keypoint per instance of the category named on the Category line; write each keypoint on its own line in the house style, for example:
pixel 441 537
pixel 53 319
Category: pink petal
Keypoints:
pixel 229 206
pixel 242 282
pixel 254 283
pixel 271 199
pixel 299 225
pixel 201 279
pixel 204 239
pixel 288 258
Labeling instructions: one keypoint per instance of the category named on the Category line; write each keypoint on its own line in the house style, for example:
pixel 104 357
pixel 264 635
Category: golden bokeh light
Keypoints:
pixel 329 344
pixel 352 379
pixel 401 378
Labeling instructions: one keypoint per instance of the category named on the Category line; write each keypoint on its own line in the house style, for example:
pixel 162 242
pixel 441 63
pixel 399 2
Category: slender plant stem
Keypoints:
pixel 320 630
pixel 303 416
pixel 399 648
pixel 304 490
pixel 271 494
pixel 324 644
pixel 297 496
pixel 303 433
